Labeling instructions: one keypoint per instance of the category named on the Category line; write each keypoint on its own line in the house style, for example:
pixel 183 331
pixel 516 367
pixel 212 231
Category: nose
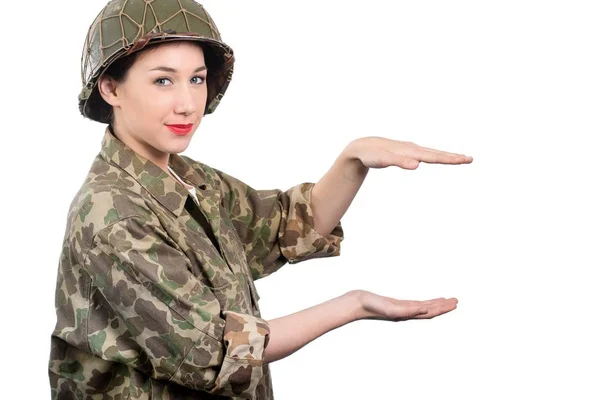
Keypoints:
pixel 185 103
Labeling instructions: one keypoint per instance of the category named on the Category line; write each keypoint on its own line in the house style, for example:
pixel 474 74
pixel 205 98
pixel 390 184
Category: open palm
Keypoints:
pixel 379 307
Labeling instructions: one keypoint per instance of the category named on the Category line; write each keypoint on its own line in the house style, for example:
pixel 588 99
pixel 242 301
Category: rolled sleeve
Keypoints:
pixel 148 311
pixel 245 338
pixel 275 226
pixel 297 235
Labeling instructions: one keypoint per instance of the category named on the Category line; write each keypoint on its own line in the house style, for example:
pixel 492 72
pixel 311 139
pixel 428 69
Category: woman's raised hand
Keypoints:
pixel 380 152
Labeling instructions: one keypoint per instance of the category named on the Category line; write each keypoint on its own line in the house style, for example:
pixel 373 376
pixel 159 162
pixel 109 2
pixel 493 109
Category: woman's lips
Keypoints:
pixel 181 130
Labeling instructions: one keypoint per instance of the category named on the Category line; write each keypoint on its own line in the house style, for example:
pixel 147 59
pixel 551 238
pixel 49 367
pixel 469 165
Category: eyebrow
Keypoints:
pixel 169 69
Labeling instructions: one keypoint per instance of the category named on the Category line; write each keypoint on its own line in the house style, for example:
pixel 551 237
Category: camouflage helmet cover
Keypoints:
pixel 126 26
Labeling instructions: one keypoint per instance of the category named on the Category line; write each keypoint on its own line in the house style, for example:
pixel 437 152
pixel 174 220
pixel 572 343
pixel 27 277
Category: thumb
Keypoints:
pixel 421 311
pixel 402 161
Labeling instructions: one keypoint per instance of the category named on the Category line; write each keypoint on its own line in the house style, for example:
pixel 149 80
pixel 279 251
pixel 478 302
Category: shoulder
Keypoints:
pixel 108 195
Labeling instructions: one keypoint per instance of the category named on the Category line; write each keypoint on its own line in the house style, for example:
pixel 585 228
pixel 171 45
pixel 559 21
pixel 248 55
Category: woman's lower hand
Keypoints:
pixel 374 306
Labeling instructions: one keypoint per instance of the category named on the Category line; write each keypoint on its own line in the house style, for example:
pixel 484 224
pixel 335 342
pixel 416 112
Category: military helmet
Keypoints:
pixel 126 26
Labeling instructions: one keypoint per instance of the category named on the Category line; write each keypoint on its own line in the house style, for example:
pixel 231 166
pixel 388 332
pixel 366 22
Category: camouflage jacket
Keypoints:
pixel 155 296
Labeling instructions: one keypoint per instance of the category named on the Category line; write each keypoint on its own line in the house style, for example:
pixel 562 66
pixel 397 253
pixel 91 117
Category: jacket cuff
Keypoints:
pixel 298 239
pixel 246 338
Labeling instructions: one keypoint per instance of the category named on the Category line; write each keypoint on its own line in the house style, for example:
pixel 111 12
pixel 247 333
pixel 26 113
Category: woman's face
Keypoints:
pixel 160 103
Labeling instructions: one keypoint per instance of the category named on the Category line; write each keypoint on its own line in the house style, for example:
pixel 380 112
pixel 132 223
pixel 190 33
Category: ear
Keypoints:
pixel 107 87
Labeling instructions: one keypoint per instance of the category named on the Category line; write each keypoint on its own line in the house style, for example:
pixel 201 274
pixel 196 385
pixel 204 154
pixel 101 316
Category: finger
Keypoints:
pixel 444 310
pixel 433 156
pixel 441 299
pixel 441 151
pixel 431 302
pixel 418 303
pixel 438 310
pixel 441 303
pixel 467 159
pixel 437 158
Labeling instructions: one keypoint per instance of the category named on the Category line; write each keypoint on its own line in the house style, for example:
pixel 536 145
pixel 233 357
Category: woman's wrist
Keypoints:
pixel 355 305
pixel 292 332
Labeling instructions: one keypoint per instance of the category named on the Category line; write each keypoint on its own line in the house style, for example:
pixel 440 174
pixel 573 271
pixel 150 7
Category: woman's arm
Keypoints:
pixel 292 332
pixel 334 192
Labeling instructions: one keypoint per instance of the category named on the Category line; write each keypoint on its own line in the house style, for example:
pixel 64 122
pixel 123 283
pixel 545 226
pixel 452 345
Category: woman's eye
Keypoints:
pixel 163 81
pixel 198 79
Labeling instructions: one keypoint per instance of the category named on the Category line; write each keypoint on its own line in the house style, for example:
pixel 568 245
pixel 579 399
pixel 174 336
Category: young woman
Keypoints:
pixel 155 293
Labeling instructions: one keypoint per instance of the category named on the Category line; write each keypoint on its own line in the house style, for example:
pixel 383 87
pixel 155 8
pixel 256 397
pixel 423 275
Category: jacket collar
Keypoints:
pixel 161 185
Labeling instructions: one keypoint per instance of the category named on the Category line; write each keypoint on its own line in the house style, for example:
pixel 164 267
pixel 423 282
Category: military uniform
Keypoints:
pixel 155 295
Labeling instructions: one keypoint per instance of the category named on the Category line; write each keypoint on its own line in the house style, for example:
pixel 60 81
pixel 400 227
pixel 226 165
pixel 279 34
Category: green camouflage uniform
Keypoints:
pixel 155 296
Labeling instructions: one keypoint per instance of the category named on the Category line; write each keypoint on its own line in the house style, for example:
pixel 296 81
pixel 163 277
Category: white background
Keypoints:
pixel 514 235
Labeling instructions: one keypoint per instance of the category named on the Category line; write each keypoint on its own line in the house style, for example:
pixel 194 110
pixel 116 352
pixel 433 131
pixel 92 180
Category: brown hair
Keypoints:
pixel 118 72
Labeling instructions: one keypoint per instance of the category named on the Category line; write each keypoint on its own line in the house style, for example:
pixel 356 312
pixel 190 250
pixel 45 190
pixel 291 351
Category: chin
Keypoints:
pixel 176 148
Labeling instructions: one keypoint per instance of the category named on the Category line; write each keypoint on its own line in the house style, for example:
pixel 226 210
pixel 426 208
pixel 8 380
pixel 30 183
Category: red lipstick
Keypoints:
pixel 181 130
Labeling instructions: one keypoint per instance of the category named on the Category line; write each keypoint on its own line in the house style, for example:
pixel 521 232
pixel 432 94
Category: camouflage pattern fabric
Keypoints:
pixel 155 296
